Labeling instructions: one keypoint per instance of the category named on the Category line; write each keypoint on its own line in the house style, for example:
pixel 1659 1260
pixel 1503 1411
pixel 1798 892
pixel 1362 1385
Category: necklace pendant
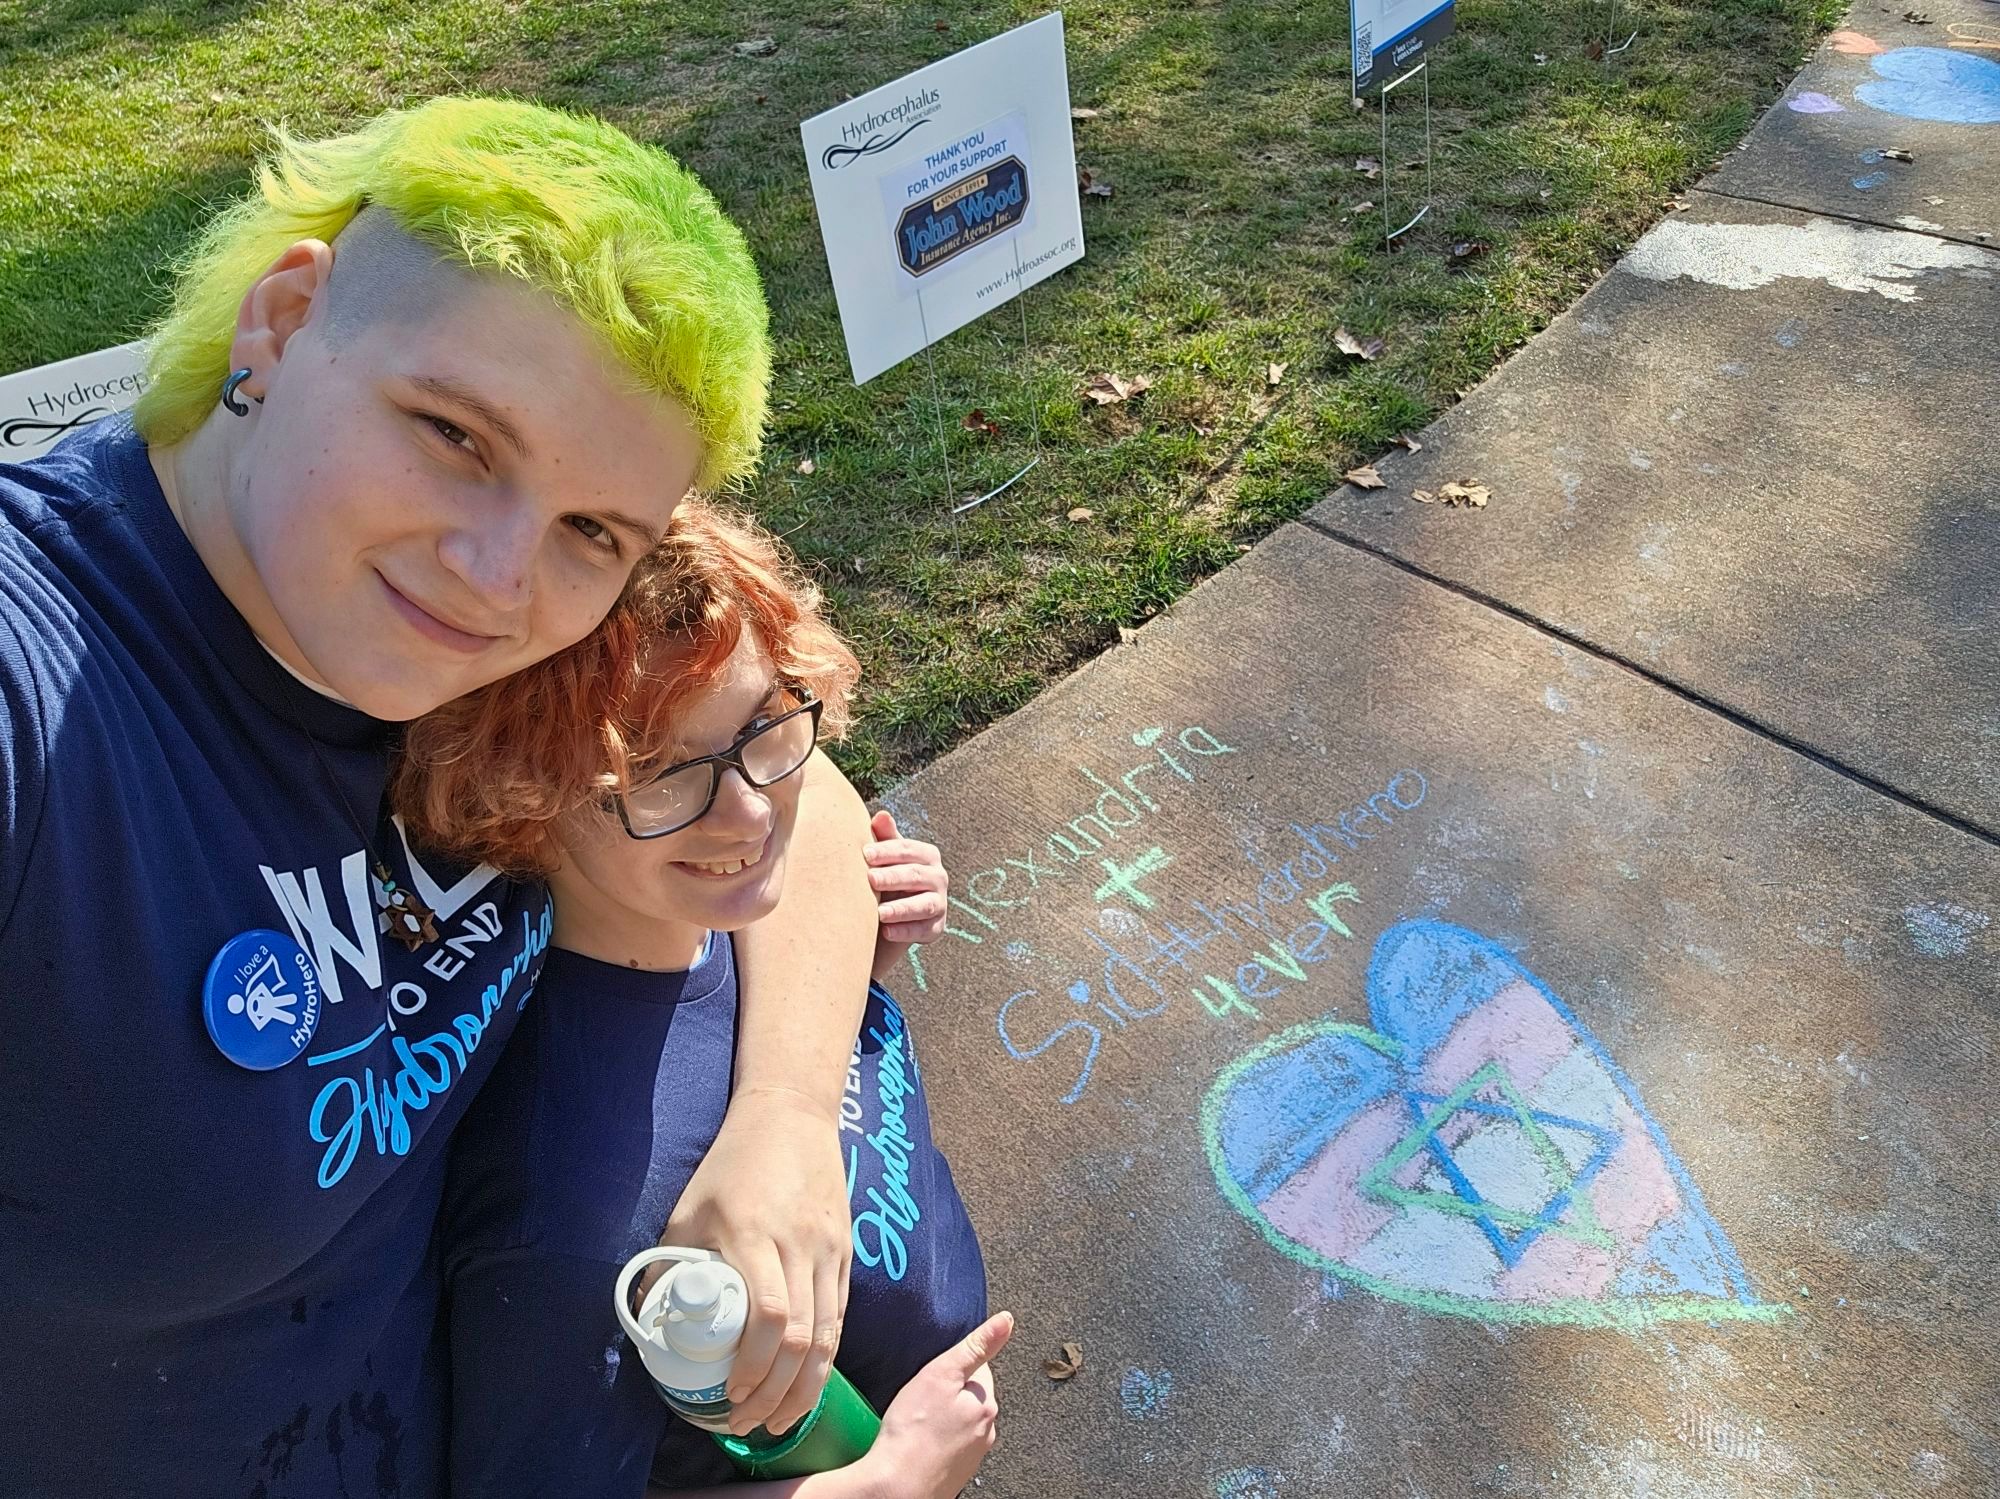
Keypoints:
pixel 408 919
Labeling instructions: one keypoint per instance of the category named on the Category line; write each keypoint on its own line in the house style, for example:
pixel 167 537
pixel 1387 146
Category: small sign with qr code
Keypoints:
pixel 1391 36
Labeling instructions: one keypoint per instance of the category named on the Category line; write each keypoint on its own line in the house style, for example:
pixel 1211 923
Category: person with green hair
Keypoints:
pixel 421 402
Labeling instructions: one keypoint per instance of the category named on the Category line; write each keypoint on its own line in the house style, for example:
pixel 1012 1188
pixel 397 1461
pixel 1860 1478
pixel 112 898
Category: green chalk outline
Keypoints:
pixel 1628 1314
pixel 1585 1229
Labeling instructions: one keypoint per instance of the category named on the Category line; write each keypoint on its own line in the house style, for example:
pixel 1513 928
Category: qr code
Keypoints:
pixel 1364 44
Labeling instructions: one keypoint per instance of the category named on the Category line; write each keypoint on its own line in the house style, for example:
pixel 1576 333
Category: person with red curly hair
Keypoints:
pixel 651 775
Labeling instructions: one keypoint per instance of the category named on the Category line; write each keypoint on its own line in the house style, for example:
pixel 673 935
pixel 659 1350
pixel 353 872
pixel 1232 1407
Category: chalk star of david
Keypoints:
pixel 1510 1230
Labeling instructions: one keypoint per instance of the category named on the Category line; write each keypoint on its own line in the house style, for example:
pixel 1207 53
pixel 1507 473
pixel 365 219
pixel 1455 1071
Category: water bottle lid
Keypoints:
pixel 706 1303
pixel 696 1291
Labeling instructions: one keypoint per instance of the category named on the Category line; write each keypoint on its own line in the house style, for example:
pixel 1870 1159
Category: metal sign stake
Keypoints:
pixel 953 504
pixel 1611 30
pixel 1390 235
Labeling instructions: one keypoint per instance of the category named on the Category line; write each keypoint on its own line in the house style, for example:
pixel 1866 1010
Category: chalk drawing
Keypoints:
pixel 1144 1393
pixel 1114 805
pixel 1477 1153
pixel 1870 180
pixel 1974 34
pixel 1260 950
pixel 1810 103
pixel 1123 879
pixel 1943 930
pixel 1248 1483
pixel 1851 257
pixel 1854 44
pixel 1934 83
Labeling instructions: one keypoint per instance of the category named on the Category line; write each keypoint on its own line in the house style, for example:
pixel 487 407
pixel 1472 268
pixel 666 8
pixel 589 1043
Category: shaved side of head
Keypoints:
pixel 381 272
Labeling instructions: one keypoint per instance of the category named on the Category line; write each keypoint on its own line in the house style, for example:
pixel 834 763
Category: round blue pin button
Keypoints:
pixel 261 1000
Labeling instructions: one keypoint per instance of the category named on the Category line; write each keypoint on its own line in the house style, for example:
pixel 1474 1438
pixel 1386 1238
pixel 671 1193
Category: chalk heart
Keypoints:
pixel 1932 83
pixel 1477 1153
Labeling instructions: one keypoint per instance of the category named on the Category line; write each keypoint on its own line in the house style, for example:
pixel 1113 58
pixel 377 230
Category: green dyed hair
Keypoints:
pixel 619 233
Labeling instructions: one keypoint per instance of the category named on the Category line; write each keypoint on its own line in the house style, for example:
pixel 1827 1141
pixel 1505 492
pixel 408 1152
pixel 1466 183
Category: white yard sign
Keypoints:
pixel 947 193
pixel 1391 35
pixel 39 407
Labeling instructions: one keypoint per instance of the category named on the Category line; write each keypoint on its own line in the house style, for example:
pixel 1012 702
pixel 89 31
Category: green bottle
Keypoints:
pixel 687 1330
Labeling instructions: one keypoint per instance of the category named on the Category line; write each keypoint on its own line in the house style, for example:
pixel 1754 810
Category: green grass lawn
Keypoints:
pixel 1233 240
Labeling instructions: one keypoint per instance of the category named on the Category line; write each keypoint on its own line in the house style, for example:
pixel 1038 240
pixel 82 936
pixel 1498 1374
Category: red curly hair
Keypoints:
pixel 492 774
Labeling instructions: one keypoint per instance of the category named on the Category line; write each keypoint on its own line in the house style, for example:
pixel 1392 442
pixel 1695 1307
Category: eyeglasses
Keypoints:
pixel 681 795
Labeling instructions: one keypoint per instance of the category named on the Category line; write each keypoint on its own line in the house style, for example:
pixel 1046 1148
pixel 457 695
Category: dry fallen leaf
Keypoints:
pixel 1365 477
pixel 1368 167
pixel 1896 153
pixel 859 566
pixel 763 98
pixel 1362 207
pixel 1541 59
pixel 978 421
pixel 1935 202
pixel 1274 374
pixel 806 465
pixel 1080 513
pixel 1088 184
pixel 1109 389
pixel 1423 497
pixel 942 26
pixel 1547 193
pixel 1467 249
pixel 1126 634
pixel 1475 495
pixel 1242 546
pixel 1065 1364
pixel 1361 348
pixel 1916 18
pixel 757 46
pixel 1594 51
pixel 1404 440
pixel 1675 205
pixel 1078 113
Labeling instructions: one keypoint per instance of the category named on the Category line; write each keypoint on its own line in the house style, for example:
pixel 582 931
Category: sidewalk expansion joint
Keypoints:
pixel 1680 690
pixel 1829 213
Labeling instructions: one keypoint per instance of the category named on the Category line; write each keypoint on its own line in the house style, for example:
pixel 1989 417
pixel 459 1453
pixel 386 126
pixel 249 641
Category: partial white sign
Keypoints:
pixel 947 193
pixel 1390 35
pixel 39 407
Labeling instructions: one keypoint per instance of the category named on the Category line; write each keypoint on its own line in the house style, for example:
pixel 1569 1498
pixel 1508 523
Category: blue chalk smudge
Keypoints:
pixel 1143 1394
pixel 1943 930
pixel 1246 1483
pixel 1873 179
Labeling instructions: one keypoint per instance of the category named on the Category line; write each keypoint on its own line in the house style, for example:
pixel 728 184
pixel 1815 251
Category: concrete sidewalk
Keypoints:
pixel 1502 1002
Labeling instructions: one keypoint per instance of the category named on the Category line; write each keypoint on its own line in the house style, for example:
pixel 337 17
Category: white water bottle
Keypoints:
pixel 687 1329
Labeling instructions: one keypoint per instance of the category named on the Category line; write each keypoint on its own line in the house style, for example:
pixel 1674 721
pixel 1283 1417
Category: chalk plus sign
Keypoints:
pixel 1123 880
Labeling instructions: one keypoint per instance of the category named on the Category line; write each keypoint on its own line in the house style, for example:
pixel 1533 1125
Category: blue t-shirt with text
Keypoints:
pixel 215 1279
pixel 571 1161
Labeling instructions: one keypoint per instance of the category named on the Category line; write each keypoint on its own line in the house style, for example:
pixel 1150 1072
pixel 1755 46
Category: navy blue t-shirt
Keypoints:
pixel 213 1281
pixel 572 1159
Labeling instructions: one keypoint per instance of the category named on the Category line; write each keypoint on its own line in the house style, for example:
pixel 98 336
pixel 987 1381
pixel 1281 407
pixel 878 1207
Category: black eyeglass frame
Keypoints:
pixel 729 759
